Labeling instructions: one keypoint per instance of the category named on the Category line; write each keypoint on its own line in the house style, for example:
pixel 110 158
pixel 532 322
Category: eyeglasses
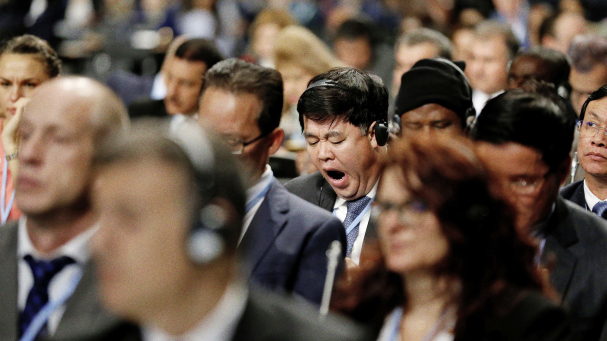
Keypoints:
pixel 589 129
pixel 237 145
pixel 527 185
pixel 407 212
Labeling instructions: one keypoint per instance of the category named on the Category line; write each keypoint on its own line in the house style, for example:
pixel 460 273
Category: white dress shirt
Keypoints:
pixel 590 198
pixel 252 194
pixel 479 99
pixel 219 325
pixel 179 119
pixel 340 210
pixel 77 248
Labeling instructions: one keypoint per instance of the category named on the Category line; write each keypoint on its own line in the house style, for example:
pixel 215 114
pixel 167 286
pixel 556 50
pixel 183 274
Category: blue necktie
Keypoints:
pixel 43 272
pixel 355 208
pixel 600 208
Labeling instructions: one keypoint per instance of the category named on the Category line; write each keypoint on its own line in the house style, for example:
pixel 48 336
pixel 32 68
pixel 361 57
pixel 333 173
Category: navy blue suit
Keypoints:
pixel 575 192
pixel 285 245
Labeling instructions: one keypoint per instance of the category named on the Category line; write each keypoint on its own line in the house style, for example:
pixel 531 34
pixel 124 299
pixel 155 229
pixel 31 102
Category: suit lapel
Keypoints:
pixel 578 196
pixel 83 314
pixel 266 225
pixel 559 236
pixel 326 195
pixel 9 314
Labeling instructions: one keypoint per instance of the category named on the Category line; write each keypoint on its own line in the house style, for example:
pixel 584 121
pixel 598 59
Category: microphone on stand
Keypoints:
pixel 574 166
pixel 333 254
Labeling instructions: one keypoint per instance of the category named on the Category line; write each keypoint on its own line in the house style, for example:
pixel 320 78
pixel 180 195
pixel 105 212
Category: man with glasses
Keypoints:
pixel 591 192
pixel 284 238
pixel 524 139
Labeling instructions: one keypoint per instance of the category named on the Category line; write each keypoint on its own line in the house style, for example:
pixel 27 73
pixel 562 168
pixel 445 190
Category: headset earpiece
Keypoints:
pixel 205 242
pixel 382 133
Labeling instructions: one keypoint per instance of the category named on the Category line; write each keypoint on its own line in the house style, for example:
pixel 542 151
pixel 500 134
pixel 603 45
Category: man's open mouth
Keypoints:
pixel 336 175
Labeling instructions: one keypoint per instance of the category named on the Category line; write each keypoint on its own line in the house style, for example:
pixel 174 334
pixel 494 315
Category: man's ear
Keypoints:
pixel 564 170
pixel 371 134
pixel 276 137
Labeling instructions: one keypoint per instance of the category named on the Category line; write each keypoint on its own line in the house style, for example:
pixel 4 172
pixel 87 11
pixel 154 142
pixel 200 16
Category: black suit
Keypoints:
pixel 577 241
pixel 315 189
pixel 269 317
pixel 148 108
pixel 83 319
pixel 575 192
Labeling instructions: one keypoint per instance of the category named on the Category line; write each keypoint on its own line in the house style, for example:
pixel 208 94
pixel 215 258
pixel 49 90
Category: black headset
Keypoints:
pixel 470 113
pixel 205 241
pixel 381 130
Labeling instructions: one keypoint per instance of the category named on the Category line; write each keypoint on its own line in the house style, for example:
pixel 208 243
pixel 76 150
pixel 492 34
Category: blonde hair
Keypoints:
pixel 271 16
pixel 298 45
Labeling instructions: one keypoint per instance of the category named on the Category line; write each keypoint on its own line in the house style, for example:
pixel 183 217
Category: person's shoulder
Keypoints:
pixel 586 223
pixel 308 182
pixel 528 315
pixel 299 206
pixel 8 232
pixel 147 108
pixel 568 191
pixel 296 319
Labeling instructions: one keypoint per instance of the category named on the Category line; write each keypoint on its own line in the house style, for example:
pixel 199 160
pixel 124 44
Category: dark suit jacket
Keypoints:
pixel 316 190
pixel 268 317
pixel 83 319
pixel 148 108
pixel 516 315
pixel 285 245
pixel 575 192
pixel 577 241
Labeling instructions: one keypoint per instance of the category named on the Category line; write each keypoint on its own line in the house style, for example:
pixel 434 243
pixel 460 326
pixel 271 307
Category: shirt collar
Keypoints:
pixel 590 198
pixel 264 181
pixel 340 201
pixel 218 325
pixel 77 248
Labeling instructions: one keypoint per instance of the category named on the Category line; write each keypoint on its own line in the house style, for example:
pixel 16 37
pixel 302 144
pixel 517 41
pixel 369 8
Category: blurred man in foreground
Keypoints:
pixel 44 259
pixel 524 141
pixel 167 246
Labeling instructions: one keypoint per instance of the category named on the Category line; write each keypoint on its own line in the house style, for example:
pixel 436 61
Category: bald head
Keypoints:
pixel 84 98
pixel 60 127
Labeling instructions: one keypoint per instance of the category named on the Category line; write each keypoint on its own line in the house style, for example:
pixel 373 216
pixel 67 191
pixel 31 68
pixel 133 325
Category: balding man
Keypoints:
pixel 46 280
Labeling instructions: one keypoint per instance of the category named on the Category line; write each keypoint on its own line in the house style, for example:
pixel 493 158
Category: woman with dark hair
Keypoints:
pixel 451 265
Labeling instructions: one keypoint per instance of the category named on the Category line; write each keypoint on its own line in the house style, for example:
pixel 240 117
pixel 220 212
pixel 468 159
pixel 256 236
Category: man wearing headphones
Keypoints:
pixel 167 245
pixel 435 96
pixel 343 114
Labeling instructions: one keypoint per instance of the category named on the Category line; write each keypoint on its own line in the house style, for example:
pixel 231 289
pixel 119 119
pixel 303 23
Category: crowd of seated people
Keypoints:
pixel 300 170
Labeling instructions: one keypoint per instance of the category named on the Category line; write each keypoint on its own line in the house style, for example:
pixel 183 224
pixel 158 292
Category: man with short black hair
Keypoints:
pixel 343 115
pixel 541 64
pixel 285 239
pixel 591 192
pixel 183 78
pixel 357 43
pixel 524 139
